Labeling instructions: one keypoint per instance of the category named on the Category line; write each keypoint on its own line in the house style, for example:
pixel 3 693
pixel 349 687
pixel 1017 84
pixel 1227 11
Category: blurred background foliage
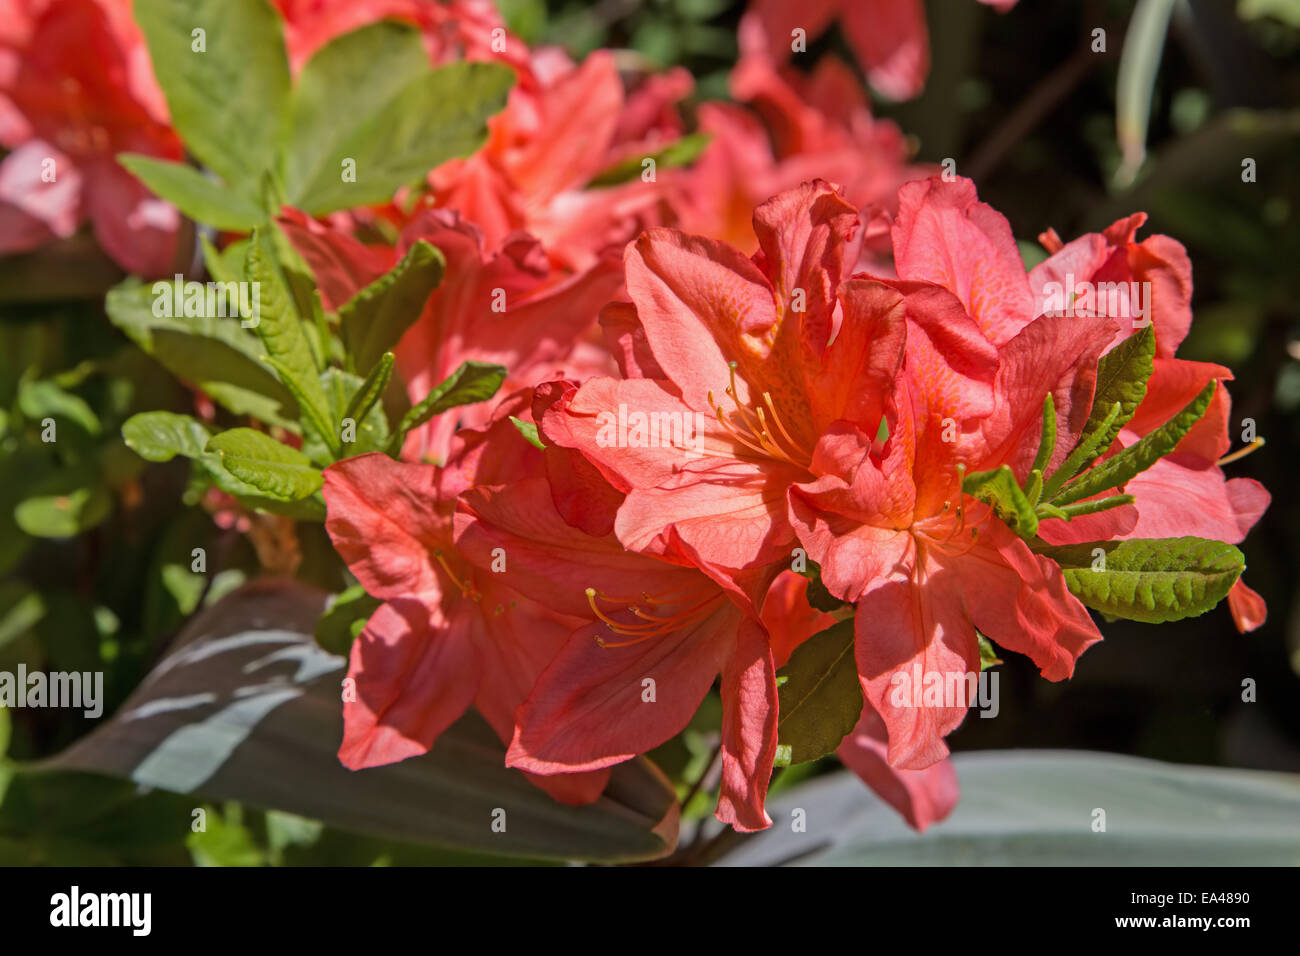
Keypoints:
pixel 95 546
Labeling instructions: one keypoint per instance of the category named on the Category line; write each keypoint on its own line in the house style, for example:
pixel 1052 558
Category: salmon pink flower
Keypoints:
pixel 760 365
pixel 889 37
pixel 447 635
pixel 655 633
pixel 76 89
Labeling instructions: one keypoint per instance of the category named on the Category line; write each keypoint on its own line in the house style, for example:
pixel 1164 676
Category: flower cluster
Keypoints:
pixel 785 418
pixel 936 442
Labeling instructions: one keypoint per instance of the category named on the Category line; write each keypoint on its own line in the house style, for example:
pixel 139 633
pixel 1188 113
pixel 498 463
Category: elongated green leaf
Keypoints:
pixel 472 382
pixel 216 354
pixel 202 199
pixel 529 431
pixel 436 117
pixel 1139 456
pixel 821 698
pixel 1046 438
pixel 998 488
pixel 280 328
pixel 1144 42
pixel 274 469
pixel 369 430
pixel 349 79
pixel 1038 808
pixel 1122 375
pixel 683 152
pixel 161 436
pixel 1150 579
pixel 370 390
pixel 247 707
pixel 375 318
pixel 229 101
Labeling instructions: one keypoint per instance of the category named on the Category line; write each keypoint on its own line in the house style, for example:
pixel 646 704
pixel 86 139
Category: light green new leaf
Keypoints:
pixel 821 700
pixel 1139 456
pixel 436 117
pixel 1149 579
pixel 348 80
pixel 998 488
pixel 471 382
pixel 274 469
pixel 229 102
pixel 161 436
pixel 198 197
pixel 374 319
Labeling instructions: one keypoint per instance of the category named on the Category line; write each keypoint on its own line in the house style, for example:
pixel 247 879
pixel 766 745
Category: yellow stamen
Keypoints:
pixel 466 589
pixel 1241 453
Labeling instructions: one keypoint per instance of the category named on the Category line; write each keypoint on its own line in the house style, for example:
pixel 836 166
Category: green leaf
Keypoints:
pixel 343 620
pixel 263 724
pixel 375 318
pixel 1141 455
pixel 679 153
pixel 58 511
pixel 199 197
pixel 439 116
pixel 43 398
pixel 161 436
pixel 216 354
pixel 346 81
pixel 821 701
pixel 371 432
pixel 276 470
pixel 1037 808
pixel 471 382
pixel 370 390
pixel 1046 438
pixel 280 328
pixel 818 595
pixel 1144 42
pixel 229 103
pixel 529 431
pixel 988 653
pixel 1122 376
pixel 224 840
pixel 998 488
pixel 1149 579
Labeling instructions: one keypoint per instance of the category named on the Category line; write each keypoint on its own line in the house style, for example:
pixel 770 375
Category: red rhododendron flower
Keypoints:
pixel 76 89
